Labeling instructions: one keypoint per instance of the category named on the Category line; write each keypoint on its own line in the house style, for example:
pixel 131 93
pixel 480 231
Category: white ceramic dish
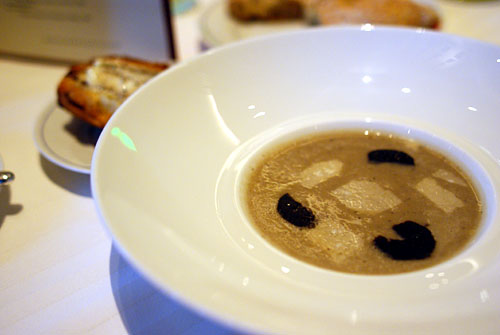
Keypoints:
pixel 64 140
pixel 471 19
pixel 166 185
pixel 218 28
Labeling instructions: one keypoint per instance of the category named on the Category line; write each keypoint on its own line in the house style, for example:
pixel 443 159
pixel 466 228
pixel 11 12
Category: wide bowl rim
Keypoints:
pixel 189 300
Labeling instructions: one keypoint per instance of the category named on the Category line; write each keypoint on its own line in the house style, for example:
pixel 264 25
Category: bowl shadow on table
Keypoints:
pixel 78 183
pixel 144 309
pixel 6 207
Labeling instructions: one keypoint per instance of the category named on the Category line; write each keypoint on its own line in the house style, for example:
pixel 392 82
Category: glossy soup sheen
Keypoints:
pixel 354 201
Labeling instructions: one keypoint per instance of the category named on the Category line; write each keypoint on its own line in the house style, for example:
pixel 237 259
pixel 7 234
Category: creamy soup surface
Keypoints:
pixel 351 202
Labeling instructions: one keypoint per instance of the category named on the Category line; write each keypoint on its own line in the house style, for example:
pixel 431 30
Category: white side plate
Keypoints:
pixel 65 140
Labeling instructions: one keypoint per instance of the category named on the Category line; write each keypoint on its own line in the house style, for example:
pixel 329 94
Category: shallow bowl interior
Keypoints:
pixel 164 175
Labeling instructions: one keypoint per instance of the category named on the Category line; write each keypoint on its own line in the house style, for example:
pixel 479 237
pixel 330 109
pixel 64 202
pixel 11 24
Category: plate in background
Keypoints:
pixel 470 19
pixel 218 28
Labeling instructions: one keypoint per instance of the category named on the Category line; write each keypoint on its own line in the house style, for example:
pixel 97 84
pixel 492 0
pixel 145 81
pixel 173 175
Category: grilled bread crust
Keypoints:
pixel 258 10
pixel 93 91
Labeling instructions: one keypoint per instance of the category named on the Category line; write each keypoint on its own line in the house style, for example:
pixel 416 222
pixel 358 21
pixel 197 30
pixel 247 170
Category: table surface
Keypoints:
pixel 59 272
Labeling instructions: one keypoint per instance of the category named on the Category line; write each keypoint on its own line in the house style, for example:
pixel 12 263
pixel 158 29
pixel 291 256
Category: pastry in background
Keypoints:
pixel 387 12
pixel 328 12
pixel 266 10
pixel 93 91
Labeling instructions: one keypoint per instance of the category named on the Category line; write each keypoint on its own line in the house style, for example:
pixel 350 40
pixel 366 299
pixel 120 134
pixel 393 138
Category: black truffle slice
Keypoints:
pixel 295 213
pixel 417 242
pixel 390 156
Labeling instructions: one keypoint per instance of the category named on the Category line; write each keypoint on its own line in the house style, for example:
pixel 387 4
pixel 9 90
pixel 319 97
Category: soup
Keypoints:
pixel 362 202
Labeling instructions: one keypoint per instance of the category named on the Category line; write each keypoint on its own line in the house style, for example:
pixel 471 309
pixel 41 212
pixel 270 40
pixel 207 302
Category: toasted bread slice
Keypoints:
pixel 265 10
pixel 93 91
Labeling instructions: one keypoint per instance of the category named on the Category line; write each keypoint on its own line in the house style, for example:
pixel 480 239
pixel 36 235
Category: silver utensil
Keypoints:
pixel 6 177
